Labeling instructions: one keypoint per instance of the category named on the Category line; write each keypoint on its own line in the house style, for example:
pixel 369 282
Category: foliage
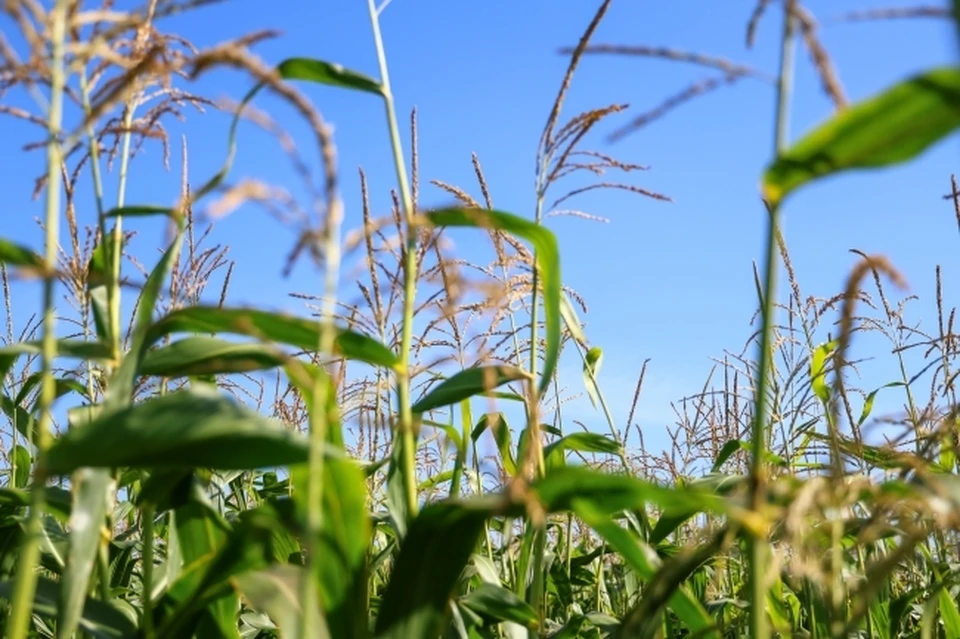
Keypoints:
pixel 158 489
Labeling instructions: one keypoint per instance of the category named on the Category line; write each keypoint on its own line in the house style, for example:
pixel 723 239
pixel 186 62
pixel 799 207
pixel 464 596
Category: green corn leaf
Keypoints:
pixel 88 517
pixel 893 127
pixel 13 254
pixel 949 613
pixel 612 493
pixel 591 368
pixel 415 603
pixel 343 543
pixel 202 355
pixel 554 453
pixel 818 369
pixel 283 329
pixel 500 604
pixel 496 423
pixel 466 384
pixel 181 430
pixel 99 619
pixel 74 349
pixel 548 264
pixel 644 561
pixel 327 73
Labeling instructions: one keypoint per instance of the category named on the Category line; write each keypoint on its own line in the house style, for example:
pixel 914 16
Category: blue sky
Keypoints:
pixel 667 281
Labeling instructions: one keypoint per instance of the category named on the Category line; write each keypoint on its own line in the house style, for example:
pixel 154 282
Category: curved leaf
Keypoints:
pixel 182 429
pixel 893 127
pixel 644 561
pixel 276 327
pixel 17 255
pixel 466 384
pixel 202 355
pixel 327 73
pixel 548 263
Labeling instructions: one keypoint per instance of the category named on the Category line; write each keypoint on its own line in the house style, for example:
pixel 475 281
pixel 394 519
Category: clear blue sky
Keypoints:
pixel 666 281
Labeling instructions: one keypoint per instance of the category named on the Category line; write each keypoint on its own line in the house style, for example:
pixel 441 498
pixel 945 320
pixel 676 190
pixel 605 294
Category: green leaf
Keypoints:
pixel 868 402
pixel 497 424
pixel 180 430
pixel 591 368
pixel 16 255
pixel 276 592
pixel 74 349
pixel 553 453
pixel 87 519
pixel 496 602
pixel 202 355
pixel 24 461
pixel 327 73
pixel 142 210
pixel 949 613
pixel 893 127
pixel 466 384
pixel 283 329
pixel 644 561
pixel 548 266
pixel 435 550
pixel 818 369
pixel 612 493
pixel 98 619
pixel 342 543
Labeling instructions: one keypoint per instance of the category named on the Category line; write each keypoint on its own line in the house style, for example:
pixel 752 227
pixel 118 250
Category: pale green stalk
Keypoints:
pixel 759 547
pixel 147 551
pixel 26 578
pixel 319 417
pixel 407 439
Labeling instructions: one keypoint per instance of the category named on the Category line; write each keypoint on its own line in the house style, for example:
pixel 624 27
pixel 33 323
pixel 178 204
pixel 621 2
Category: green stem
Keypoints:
pixel 147 551
pixel 26 579
pixel 406 431
pixel 759 549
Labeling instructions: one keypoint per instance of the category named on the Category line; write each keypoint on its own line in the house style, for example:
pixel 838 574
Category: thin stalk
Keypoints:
pixel 147 551
pixel 26 579
pixel 407 441
pixel 759 548
pixel 319 417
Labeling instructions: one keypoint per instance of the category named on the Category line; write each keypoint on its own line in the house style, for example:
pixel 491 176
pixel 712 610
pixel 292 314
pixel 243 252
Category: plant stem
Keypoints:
pixel 147 551
pixel 406 433
pixel 759 548
pixel 26 579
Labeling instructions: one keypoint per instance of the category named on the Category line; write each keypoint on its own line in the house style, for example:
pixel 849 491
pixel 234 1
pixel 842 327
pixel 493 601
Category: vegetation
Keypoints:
pixel 178 466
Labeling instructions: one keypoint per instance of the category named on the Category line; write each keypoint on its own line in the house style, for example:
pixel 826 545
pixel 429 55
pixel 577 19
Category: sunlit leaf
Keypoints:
pixel 591 368
pixel 327 73
pixel 818 369
pixel 548 263
pixel 276 327
pixel 467 383
pixel 892 127
pixel 179 430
